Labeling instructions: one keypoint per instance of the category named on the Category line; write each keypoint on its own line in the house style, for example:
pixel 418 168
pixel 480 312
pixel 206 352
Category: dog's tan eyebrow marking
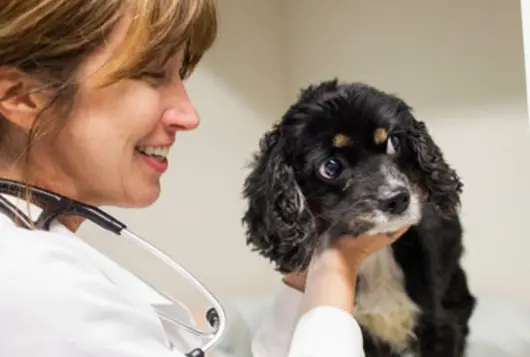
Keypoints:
pixel 341 140
pixel 380 136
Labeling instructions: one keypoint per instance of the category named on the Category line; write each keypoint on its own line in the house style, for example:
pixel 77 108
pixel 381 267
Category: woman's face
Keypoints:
pixel 112 149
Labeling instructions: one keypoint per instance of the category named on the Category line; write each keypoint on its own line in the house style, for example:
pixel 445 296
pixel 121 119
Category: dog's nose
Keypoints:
pixel 396 202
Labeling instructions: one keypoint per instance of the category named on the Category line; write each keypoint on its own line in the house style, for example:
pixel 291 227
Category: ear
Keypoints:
pixel 19 103
pixel 278 222
pixel 441 182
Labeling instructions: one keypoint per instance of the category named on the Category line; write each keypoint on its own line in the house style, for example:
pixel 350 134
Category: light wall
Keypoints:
pixel 525 24
pixel 459 64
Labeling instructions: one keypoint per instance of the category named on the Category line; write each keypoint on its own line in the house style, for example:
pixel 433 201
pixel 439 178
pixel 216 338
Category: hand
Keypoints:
pixel 354 251
pixel 345 256
pixel 332 273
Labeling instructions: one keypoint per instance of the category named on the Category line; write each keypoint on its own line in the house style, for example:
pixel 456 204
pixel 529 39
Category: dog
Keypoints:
pixel 348 158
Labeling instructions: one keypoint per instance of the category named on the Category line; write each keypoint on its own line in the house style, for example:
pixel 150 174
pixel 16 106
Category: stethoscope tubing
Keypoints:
pixel 221 319
pixel 62 206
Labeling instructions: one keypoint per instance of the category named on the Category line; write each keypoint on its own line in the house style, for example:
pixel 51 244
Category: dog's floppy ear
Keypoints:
pixel 278 222
pixel 441 182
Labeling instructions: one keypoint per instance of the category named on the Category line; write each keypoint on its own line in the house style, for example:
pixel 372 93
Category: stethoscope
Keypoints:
pixel 59 206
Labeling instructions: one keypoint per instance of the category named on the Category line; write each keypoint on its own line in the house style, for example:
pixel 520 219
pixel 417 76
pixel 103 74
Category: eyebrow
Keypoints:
pixel 341 140
pixel 380 135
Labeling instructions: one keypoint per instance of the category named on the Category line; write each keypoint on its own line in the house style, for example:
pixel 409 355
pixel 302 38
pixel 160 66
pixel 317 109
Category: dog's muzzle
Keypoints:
pixel 396 202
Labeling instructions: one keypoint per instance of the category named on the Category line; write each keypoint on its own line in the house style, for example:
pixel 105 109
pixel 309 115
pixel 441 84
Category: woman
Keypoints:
pixel 93 89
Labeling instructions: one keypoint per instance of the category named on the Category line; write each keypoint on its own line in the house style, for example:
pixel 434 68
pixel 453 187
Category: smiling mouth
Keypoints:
pixel 159 153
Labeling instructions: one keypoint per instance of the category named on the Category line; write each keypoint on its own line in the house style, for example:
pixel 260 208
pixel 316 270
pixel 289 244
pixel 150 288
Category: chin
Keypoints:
pixel 350 159
pixel 144 195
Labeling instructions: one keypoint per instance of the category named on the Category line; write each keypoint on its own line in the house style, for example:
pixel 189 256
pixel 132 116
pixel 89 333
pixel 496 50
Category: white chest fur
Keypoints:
pixel 382 304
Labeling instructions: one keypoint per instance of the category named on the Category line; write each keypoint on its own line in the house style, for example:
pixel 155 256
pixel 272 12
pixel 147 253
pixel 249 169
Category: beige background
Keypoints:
pixel 459 63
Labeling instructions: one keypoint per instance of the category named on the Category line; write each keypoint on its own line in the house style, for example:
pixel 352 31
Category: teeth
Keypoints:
pixel 159 151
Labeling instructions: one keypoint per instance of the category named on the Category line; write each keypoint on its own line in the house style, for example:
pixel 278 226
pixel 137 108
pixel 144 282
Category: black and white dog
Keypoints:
pixel 347 158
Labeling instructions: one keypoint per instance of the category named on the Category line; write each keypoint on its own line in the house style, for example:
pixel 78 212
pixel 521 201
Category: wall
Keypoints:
pixel 460 64
pixel 525 24
pixel 197 219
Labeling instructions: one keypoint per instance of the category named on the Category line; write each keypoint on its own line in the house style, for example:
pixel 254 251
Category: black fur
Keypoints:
pixel 293 209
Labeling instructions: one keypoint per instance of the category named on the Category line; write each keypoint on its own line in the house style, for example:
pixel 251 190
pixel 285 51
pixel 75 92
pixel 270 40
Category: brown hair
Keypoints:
pixel 49 39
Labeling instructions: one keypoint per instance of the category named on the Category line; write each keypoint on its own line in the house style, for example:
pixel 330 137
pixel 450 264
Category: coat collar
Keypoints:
pixel 113 271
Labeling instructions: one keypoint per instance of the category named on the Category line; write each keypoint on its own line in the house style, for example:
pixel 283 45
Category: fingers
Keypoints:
pixel 386 237
pixel 397 234
pixel 344 256
pixel 360 247
pixel 369 244
pixel 296 280
pixel 400 232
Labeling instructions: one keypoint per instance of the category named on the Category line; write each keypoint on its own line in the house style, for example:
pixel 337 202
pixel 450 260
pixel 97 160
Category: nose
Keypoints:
pixel 396 202
pixel 182 114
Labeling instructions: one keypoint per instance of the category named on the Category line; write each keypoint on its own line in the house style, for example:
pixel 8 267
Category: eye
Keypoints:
pixel 155 75
pixel 154 78
pixel 330 169
pixel 392 144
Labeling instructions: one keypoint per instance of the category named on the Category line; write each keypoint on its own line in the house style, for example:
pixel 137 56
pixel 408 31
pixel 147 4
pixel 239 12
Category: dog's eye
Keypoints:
pixel 330 169
pixel 392 145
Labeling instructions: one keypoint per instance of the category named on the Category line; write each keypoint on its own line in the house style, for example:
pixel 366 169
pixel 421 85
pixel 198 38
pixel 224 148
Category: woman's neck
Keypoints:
pixel 72 223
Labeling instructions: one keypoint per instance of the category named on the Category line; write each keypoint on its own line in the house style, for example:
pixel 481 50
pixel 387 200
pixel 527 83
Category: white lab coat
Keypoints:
pixel 60 297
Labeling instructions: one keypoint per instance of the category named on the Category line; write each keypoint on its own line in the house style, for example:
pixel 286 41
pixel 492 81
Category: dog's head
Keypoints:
pixel 344 159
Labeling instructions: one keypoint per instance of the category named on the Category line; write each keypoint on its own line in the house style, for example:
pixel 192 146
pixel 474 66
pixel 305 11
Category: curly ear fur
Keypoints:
pixel 278 221
pixel 441 182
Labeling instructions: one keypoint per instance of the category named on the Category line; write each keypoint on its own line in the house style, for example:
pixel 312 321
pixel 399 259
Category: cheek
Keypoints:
pixel 141 110
pixel 127 110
